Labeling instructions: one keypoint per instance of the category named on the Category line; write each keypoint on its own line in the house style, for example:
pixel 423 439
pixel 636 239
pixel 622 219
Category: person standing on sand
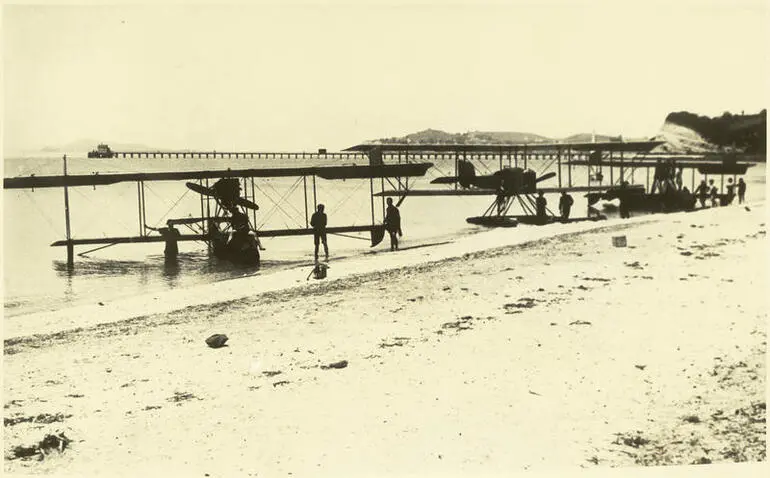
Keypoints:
pixel 393 224
pixel 500 198
pixel 540 204
pixel 679 179
pixel 318 223
pixel 565 204
pixel 741 191
pixel 713 193
pixel 623 197
pixel 730 191
pixel 702 192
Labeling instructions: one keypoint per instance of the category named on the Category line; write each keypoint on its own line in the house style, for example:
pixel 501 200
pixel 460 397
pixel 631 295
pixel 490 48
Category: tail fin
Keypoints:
pixel 466 173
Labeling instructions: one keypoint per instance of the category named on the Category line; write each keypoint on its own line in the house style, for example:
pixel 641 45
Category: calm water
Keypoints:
pixel 36 277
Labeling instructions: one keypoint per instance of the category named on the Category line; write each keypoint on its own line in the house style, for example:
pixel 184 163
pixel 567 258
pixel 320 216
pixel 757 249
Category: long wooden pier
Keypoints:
pixel 337 155
pixel 238 154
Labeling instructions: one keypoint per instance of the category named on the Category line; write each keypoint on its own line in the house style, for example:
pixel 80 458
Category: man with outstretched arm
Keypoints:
pixel 393 224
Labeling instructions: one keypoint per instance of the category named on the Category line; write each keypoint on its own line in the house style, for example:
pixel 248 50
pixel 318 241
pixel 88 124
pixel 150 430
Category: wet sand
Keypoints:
pixel 562 353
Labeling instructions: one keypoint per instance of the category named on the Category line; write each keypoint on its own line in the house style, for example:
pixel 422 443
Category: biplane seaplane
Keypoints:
pixel 668 191
pixel 512 184
pixel 227 207
pixel 610 169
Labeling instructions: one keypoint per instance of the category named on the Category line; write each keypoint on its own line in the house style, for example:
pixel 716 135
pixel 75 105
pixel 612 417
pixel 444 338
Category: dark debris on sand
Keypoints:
pixel 337 365
pixel 710 432
pixel 51 442
pixel 42 418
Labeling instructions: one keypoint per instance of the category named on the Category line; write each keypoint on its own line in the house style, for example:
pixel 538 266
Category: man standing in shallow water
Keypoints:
pixel 318 223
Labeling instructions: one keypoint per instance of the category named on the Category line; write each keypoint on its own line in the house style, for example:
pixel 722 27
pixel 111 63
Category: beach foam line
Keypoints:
pixel 85 316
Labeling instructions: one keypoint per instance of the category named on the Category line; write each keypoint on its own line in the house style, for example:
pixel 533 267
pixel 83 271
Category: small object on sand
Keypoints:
pixel 619 241
pixel 340 364
pixel 319 271
pixel 216 341
pixel 101 303
pixel 747 208
pixel 640 367
pixel 51 442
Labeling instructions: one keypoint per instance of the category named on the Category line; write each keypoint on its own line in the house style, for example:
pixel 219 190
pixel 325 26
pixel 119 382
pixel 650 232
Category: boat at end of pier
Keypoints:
pixel 101 151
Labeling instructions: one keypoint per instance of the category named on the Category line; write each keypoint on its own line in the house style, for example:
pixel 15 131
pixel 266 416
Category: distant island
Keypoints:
pixel 434 136
pixel 681 132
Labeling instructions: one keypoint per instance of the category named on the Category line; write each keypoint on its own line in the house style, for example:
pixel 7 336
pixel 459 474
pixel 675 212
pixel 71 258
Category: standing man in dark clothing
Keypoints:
pixel 318 223
pixel 540 204
pixel 730 191
pixel 500 198
pixel 713 193
pixel 623 197
pixel 702 193
pixel 741 191
pixel 565 204
pixel 393 224
pixel 170 235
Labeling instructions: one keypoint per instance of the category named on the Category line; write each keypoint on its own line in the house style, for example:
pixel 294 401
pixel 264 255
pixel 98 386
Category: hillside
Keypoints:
pixel 682 132
pixel 685 131
pixel 434 136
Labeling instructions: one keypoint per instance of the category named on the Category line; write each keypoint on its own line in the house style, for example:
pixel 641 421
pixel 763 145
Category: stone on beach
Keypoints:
pixel 216 341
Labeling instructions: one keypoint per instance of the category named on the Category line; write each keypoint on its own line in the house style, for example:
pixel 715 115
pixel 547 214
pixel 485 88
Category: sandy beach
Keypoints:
pixel 559 353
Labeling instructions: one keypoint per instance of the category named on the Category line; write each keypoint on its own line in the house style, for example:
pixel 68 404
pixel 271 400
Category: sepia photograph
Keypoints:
pixel 385 238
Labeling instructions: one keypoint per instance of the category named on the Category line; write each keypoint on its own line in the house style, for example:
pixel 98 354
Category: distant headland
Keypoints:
pixel 683 132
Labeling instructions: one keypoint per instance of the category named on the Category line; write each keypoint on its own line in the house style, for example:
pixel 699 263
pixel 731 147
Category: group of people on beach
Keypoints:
pixel 565 205
pixel 709 191
pixel 668 178
pixel 318 221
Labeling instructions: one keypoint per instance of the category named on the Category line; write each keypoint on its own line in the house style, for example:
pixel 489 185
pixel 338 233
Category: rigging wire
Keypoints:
pixel 172 206
pixel 345 199
pixel 41 212
pixel 276 207
pixel 282 199
pixel 116 216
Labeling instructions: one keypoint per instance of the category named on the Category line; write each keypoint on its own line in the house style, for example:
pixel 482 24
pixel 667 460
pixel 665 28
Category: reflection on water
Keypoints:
pixel 192 264
pixel 171 270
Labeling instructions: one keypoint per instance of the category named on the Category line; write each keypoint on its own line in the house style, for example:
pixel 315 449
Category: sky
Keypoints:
pixel 300 76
